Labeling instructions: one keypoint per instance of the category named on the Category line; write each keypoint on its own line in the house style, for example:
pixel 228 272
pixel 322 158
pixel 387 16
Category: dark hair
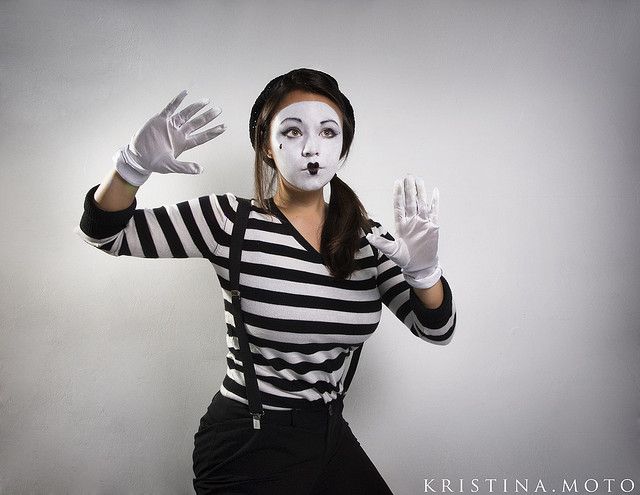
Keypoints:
pixel 346 215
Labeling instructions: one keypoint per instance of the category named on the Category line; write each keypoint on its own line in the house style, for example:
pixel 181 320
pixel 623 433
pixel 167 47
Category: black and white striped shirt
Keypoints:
pixel 302 324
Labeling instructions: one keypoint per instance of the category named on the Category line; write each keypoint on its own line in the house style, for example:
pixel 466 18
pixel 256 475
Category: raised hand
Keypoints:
pixel 415 246
pixel 155 147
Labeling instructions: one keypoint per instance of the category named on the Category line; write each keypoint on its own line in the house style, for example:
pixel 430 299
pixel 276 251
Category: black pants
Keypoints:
pixel 294 452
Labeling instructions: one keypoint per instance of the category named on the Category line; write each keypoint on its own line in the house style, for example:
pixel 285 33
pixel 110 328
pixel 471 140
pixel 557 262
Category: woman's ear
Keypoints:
pixel 267 151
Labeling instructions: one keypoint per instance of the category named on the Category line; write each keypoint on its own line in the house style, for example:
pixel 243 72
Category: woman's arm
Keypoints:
pixel 428 320
pixel 432 297
pixel 193 228
pixel 189 229
pixel 114 193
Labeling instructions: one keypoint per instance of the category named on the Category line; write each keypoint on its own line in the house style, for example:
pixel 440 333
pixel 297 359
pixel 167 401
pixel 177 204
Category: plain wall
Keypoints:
pixel 525 115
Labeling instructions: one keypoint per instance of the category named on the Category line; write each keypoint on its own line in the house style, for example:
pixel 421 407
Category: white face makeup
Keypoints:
pixel 306 140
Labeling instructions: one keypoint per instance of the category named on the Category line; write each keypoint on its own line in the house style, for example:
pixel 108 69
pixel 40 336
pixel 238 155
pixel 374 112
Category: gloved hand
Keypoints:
pixel 155 147
pixel 415 245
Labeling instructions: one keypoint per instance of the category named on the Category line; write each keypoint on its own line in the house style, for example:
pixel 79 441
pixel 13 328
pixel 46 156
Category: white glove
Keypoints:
pixel 155 147
pixel 415 246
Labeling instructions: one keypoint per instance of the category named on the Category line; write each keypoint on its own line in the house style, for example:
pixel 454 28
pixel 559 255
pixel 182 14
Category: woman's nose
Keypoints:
pixel 310 148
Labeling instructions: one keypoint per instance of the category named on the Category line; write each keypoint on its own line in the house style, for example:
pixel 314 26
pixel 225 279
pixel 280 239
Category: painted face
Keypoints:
pixel 306 140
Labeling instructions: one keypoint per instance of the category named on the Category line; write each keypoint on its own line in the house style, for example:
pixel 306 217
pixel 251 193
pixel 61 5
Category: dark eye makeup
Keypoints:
pixel 286 132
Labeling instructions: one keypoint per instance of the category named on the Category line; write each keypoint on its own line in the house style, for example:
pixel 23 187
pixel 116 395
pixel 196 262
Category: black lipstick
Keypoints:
pixel 313 167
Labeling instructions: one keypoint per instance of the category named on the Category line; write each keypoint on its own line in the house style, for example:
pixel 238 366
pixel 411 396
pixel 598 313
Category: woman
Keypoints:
pixel 312 282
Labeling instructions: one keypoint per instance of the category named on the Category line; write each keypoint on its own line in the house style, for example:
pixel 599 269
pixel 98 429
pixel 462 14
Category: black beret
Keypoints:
pixel 257 107
pixel 262 97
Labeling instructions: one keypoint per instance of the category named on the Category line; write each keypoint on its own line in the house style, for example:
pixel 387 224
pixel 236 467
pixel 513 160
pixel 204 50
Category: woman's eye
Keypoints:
pixel 292 129
pixel 331 133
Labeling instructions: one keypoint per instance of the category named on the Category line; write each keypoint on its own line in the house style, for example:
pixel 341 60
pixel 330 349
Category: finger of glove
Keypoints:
pixel 179 119
pixel 203 137
pixel 389 248
pixel 200 120
pixel 434 210
pixel 423 209
pixel 167 164
pixel 173 104
pixel 410 207
pixel 398 202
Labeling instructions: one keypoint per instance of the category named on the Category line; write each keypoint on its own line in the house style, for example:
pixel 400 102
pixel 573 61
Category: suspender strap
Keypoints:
pixel 352 369
pixel 235 254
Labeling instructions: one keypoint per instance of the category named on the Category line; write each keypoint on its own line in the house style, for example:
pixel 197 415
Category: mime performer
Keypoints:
pixel 313 277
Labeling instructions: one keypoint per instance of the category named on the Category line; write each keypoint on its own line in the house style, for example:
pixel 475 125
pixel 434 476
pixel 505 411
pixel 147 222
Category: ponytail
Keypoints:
pixel 346 217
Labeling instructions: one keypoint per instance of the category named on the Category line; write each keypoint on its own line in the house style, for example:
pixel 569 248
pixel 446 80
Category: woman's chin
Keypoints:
pixel 313 185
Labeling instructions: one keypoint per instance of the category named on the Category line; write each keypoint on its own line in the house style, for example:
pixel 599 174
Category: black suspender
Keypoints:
pixel 352 369
pixel 251 382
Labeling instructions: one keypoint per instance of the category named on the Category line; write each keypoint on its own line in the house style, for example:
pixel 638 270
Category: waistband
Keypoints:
pixel 316 416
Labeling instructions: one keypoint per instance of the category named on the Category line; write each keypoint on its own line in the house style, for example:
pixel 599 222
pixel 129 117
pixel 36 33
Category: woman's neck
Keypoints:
pixel 300 202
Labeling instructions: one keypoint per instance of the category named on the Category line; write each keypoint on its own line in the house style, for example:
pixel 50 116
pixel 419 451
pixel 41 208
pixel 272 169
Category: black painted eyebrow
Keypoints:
pixel 290 118
pixel 323 122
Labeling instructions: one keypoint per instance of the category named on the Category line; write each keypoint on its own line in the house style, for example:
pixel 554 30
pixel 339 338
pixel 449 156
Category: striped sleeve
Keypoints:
pixel 189 229
pixel 431 325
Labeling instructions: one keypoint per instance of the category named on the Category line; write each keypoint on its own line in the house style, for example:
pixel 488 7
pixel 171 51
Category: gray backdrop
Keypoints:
pixel 524 114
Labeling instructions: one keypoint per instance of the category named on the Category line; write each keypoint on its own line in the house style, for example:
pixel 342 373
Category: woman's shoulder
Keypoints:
pixel 226 201
pixel 229 202
pixel 231 199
